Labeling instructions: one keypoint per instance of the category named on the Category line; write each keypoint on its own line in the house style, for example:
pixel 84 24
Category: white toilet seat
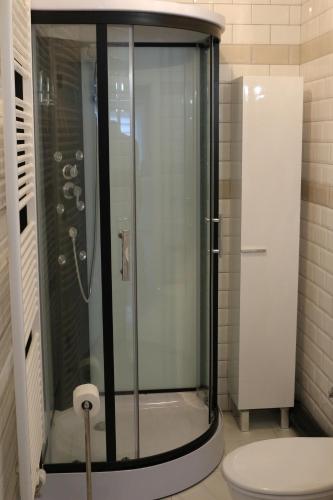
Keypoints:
pixel 293 467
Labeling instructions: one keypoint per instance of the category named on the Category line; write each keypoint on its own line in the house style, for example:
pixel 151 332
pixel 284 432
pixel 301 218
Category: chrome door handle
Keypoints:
pixel 219 221
pixel 253 250
pixel 125 261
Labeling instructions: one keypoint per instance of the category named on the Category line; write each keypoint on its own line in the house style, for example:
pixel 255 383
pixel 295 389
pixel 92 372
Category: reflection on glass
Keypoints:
pixel 172 197
pixel 122 243
pixel 66 141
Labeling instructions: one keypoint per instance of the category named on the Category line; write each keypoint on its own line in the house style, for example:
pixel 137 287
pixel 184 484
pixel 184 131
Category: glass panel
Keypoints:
pixel 65 89
pixel 172 199
pixel 122 238
pixel 205 228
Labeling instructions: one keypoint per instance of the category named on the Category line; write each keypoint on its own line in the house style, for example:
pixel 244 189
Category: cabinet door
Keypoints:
pixel 271 169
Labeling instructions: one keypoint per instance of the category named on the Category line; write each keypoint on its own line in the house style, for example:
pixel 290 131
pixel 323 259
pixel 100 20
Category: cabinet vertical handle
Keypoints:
pixel 125 240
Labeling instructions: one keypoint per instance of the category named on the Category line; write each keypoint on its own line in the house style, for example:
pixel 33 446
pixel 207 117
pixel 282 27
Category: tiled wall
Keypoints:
pixel 8 449
pixel 315 335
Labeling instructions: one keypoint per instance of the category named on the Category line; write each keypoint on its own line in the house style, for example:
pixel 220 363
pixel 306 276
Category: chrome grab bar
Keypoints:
pixel 86 406
pixel 125 259
pixel 253 250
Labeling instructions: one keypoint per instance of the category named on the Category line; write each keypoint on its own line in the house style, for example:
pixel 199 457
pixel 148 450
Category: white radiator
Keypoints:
pixel 35 405
pixel 19 167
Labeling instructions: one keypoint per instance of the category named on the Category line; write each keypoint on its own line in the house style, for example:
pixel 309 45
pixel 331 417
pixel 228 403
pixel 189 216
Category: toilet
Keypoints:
pixel 281 469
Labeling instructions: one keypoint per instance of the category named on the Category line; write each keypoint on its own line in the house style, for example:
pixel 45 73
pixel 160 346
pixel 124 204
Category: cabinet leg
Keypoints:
pixel 244 420
pixel 284 423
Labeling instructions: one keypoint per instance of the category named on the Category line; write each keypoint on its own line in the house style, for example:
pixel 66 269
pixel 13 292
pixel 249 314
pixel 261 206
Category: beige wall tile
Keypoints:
pixel 294 54
pixel 270 54
pixel 235 54
pixel 317 48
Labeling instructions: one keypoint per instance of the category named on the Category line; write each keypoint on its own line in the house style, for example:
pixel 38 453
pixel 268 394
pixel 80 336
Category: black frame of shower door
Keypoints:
pixel 102 19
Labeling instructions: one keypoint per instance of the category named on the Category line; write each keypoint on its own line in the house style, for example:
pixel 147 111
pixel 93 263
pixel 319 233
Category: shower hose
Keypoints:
pixel 73 235
pixel 85 296
pixel 73 231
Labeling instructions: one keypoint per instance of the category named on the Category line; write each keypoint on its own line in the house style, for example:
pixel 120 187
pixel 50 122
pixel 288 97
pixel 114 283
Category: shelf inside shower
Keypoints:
pixel 167 421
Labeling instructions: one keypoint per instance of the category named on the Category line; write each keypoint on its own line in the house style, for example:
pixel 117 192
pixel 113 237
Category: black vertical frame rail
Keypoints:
pixel 214 215
pixel 105 223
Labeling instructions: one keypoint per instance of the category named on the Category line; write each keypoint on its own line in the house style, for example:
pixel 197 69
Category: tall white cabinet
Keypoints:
pixel 266 165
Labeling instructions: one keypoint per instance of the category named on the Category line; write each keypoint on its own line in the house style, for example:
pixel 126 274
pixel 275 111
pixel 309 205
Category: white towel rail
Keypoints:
pixel 19 169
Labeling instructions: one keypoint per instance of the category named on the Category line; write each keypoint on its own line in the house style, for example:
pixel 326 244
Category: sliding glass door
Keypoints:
pixel 159 160
pixel 123 240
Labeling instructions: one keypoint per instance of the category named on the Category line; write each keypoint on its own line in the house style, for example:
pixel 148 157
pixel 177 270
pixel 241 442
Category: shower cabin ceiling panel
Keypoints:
pixel 131 6
pixel 155 34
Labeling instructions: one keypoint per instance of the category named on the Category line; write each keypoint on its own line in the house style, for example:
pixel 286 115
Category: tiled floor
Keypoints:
pixel 264 425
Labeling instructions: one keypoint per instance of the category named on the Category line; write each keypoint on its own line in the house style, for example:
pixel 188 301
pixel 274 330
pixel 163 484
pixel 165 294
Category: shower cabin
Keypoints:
pixel 126 145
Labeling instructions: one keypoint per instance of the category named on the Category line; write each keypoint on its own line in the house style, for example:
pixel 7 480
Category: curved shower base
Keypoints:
pixel 144 483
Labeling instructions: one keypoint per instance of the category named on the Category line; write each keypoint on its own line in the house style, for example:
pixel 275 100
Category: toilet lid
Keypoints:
pixel 289 466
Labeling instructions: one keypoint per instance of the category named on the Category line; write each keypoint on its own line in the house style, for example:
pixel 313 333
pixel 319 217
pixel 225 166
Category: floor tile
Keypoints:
pixel 265 425
pixel 212 488
pixel 285 433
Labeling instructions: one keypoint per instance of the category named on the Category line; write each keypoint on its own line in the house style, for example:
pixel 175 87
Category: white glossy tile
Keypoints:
pixel 235 14
pixel 270 14
pixel 284 70
pixel 285 34
pixel 251 34
pixel 295 15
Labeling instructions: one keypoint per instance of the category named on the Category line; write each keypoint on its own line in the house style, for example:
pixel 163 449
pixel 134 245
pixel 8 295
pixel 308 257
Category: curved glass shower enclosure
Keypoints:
pixel 127 159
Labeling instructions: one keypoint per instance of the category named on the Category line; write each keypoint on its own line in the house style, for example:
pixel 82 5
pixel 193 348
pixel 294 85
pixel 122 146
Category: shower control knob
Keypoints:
pixel 70 171
pixel 60 209
pixel 68 190
pixel 82 255
pixel 57 156
pixel 80 205
pixel 62 260
pixel 79 155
